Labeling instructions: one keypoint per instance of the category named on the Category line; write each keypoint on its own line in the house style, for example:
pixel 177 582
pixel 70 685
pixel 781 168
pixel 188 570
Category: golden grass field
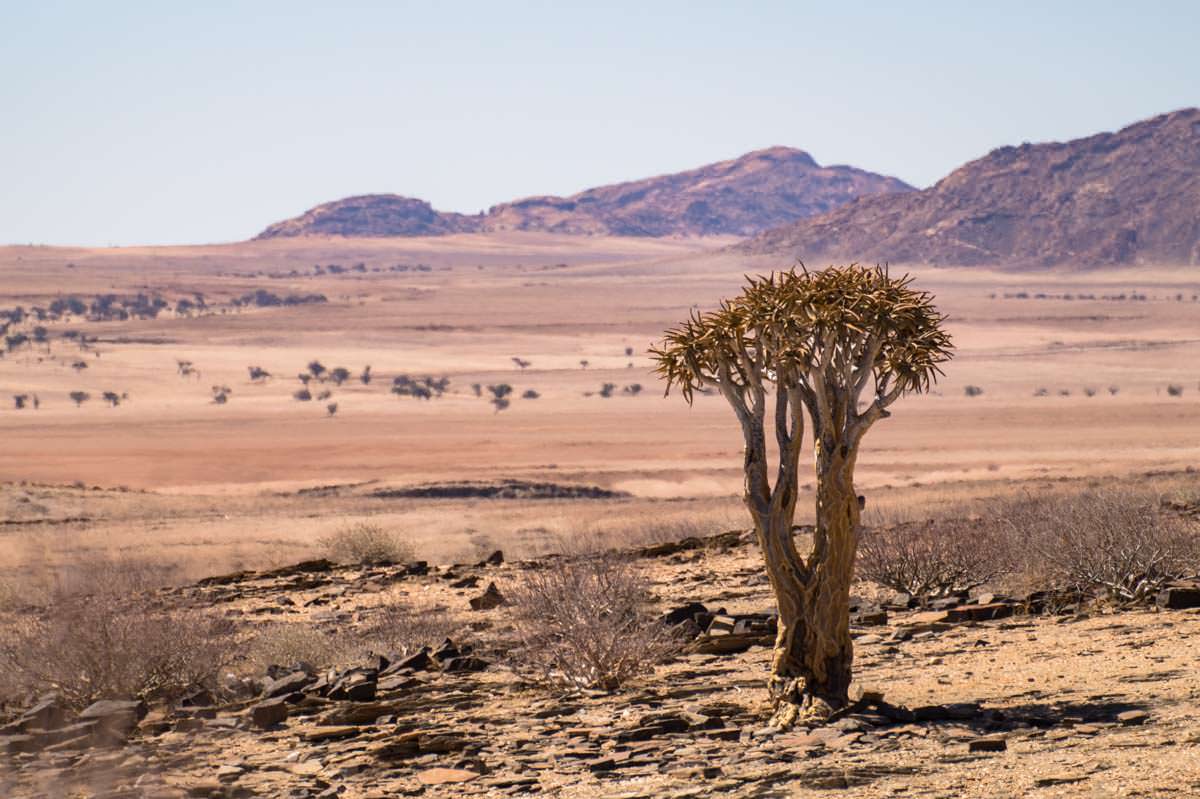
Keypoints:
pixel 214 486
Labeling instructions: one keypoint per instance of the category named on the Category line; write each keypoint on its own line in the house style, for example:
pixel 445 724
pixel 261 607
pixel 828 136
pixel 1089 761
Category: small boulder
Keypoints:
pixel 988 743
pixel 1133 718
pixel 269 713
pixel 287 684
pixel 489 599
pixel 115 718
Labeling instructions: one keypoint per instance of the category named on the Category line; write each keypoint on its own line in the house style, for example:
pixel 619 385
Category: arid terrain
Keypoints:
pixel 1069 378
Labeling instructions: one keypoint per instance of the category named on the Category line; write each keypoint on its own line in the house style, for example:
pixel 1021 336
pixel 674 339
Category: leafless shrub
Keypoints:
pixel 1113 541
pixel 399 627
pixel 367 543
pixel 288 644
pixel 932 559
pixel 101 635
pixel 585 623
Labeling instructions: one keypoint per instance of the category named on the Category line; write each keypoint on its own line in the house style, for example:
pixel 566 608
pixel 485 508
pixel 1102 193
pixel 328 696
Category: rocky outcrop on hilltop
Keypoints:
pixel 740 197
pixel 373 215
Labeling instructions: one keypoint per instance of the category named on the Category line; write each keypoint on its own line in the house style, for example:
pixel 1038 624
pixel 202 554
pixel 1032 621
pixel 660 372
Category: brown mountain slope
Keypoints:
pixel 1128 197
pixel 744 196
pixel 741 197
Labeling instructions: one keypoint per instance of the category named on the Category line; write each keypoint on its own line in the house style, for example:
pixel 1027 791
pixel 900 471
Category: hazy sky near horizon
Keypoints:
pixel 149 122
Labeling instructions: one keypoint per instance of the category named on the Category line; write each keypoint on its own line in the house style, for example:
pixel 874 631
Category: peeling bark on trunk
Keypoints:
pixel 811 666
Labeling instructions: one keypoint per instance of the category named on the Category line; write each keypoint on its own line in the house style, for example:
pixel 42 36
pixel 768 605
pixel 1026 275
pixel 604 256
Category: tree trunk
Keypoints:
pixel 811 668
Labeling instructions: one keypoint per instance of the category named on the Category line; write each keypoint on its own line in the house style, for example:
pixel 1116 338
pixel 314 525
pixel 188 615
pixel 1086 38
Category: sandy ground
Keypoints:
pixel 553 301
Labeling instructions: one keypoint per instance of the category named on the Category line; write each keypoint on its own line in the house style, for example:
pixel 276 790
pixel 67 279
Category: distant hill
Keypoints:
pixel 1128 197
pixel 747 195
pixel 373 215
pixel 760 190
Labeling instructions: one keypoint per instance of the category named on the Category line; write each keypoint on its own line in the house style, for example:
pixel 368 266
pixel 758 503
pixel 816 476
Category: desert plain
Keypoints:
pixel 1061 380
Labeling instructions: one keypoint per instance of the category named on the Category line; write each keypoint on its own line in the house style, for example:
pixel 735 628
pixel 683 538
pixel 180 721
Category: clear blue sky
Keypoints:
pixel 162 122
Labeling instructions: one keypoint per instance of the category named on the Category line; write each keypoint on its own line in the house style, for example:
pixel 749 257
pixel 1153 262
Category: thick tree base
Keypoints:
pixel 794 704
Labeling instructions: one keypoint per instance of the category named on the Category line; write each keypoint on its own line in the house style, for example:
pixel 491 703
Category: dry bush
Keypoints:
pixel 287 644
pixel 397 627
pixel 1113 541
pixel 367 543
pixel 100 635
pixel 585 623
pixel 932 559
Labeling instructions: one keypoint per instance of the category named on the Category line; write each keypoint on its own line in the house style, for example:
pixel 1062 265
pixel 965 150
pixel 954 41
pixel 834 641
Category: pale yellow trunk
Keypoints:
pixel 811 667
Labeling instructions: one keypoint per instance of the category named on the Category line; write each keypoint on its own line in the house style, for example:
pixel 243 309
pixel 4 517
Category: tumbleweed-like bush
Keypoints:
pixel 586 623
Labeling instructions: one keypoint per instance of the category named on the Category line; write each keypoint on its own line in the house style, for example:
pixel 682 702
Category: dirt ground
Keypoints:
pixel 554 302
pixel 1074 369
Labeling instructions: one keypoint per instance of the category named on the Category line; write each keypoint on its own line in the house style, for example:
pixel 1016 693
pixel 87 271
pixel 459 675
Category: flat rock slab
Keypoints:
pixel 445 776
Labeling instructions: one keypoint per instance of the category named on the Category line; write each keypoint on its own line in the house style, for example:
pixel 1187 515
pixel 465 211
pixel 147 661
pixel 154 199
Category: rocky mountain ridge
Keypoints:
pixel 741 197
pixel 1124 198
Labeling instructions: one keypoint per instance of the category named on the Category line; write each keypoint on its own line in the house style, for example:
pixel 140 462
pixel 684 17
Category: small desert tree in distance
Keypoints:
pixel 815 343
pixel 79 397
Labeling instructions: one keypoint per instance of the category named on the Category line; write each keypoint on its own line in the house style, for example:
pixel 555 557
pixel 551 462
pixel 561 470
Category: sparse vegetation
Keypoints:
pixel 972 391
pixel 585 623
pixel 930 560
pixel 1116 542
pixel 367 543
pixel 101 636
pixel 79 397
pixel 1175 390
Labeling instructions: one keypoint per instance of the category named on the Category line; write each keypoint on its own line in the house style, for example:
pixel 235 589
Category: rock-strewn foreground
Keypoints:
pixel 1128 197
pixel 981 701
pixel 741 197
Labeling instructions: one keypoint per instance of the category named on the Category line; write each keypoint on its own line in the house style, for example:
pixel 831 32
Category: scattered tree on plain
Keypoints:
pixel 331 408
pixel 339 375
pixel 79 397
pixel 816 341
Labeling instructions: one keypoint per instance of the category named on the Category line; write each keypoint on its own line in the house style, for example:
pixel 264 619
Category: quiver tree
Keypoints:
pixel 838 347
